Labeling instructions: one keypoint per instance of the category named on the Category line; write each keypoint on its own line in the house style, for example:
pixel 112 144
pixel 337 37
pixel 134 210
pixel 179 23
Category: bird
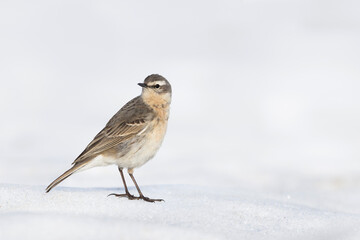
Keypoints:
pixel 131 137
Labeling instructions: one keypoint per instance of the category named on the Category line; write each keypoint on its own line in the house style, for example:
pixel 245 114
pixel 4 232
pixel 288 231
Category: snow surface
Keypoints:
pixel 189 212
pixel 263 139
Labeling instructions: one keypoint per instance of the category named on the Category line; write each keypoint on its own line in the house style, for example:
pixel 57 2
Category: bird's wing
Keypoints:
pixel 112 135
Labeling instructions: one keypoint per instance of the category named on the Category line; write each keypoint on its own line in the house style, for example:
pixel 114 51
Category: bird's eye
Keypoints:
pixel 157 86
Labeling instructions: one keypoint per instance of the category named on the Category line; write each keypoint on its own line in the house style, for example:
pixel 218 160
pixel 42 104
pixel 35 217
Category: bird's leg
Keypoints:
pixel 127 193
pixel 130 171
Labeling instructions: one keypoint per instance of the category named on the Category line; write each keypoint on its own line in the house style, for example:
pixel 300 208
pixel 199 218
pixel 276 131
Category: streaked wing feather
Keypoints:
pixel 111 136
pixel 126 129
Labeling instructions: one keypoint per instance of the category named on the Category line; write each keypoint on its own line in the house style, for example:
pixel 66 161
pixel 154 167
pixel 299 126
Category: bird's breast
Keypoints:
pixel 145 145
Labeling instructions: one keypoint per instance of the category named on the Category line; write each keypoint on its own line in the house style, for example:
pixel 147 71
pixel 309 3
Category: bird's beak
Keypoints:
pixel 142 85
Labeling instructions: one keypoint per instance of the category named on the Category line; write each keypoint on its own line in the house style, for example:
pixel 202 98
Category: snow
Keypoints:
pixel 263 138
pixel 189 212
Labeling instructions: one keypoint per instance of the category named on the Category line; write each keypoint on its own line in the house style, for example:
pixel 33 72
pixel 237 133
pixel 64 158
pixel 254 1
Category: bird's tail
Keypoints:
pixel 65 175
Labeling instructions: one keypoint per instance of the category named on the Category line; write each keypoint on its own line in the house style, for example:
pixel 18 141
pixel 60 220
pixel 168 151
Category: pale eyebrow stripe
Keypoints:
pixel 161 83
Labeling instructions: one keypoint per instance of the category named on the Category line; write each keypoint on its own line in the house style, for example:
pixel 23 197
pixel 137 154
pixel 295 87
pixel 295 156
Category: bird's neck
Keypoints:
pixel 161 105
pixel 156 101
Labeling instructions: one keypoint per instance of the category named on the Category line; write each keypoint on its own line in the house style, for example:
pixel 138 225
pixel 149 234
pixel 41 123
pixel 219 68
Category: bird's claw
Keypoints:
pixel 151 200
pixel 127 195
pixel 132 197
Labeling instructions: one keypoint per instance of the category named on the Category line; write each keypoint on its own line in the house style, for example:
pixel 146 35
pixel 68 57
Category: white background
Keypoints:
pixel 265 93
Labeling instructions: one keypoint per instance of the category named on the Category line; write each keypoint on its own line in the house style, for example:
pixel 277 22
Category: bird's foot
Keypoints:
pixel 126 195
pixel 132 197
pixel 146 199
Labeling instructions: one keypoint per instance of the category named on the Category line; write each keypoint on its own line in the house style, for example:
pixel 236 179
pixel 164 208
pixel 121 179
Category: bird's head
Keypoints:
pixel 156 90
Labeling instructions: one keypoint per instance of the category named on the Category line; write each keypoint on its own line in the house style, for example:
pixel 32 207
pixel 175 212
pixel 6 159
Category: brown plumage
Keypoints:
pixel 132 136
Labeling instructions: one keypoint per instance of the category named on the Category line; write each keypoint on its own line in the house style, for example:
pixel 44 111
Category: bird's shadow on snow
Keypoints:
pixel 166 190
pixel 166 187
